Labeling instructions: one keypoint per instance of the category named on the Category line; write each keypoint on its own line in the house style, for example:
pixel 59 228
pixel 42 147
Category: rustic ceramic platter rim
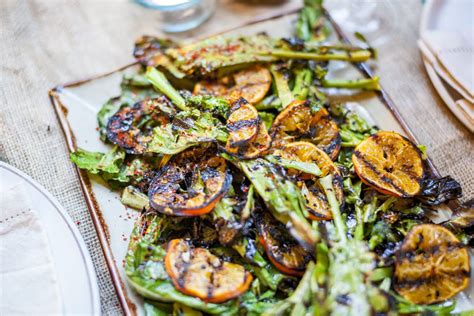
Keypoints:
pixel 94 209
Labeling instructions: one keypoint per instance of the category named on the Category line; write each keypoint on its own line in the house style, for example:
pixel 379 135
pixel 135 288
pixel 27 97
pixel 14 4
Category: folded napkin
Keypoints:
pixel 28 282
pixel 452 56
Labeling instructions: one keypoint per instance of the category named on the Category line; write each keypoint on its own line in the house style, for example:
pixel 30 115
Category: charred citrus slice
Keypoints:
pixel 286 254
pixel 252 84
pixel 325 133
pixel 123 130
pixel 259 145
pixel 214 88
pixel 290 124
pixel 431 265
pixel 389 163
pixel 190 185
pixel 318 206
pixel 242 124
pixel 297 122
pixel 254 147
pixel 197 272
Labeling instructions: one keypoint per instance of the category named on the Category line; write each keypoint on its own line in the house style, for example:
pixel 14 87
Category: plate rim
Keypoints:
pixel 92 205
pixel 94 209
pixel 87 260
pixel 437 81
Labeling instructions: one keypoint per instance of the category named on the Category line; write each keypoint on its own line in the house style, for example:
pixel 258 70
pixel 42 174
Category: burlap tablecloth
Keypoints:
pixel 44 43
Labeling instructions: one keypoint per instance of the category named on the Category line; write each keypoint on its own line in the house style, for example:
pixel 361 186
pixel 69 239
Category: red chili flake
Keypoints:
pixel 78 223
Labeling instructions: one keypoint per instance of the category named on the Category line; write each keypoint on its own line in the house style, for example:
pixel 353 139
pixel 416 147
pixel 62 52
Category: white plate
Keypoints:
pixel 447 15
pixel 75 272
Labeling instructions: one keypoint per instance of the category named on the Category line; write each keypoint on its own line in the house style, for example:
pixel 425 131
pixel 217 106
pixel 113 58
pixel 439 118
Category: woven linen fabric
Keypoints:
pixel 49 42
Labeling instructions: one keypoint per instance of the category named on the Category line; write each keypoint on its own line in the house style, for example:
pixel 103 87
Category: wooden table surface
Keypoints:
pixel 48 42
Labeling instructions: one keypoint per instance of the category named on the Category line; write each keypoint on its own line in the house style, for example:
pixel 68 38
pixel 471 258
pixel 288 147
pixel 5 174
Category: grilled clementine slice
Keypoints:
pixel 318 206
pixel 296 122
pixel 253 147
pixel 389 163
pixel 242 124
pixel 290 124
pixel 259 146
pixel 325 133
pixel 191 185
pixel 431 266
pixel 252 84
pixel 286 254
pixel 197 272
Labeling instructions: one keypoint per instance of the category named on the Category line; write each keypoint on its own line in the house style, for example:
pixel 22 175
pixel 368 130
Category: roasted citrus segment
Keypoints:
pixel 297 122
pixel 431 265
pixel 242 124
pixel 389 163
pixel 191 185
pixel 252 84
pixel 325 133
pixel 316 202
pixel 197 272
pixel 286 254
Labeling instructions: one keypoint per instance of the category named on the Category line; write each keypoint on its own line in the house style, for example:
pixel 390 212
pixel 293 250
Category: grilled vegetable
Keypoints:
pixel 187 129
pixel 123 127
pixel 431 265
pixel 370 84
pixel 310 24
pixel 282 197
pixel 389 163
pixel 282 87
pixel 134 198
pixel 197 272
pixel 252 84
pixel 218 106
pixel 436 191
pixel 296 303
pixel 108 165
pixel 293 124
pixel 283 251
pixel 151 51
pixel 160 82
pixel 206 56
pixel 350 263
pixel 191 185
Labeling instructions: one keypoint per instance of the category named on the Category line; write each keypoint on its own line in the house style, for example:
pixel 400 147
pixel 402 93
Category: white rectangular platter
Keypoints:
pixel 77 105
